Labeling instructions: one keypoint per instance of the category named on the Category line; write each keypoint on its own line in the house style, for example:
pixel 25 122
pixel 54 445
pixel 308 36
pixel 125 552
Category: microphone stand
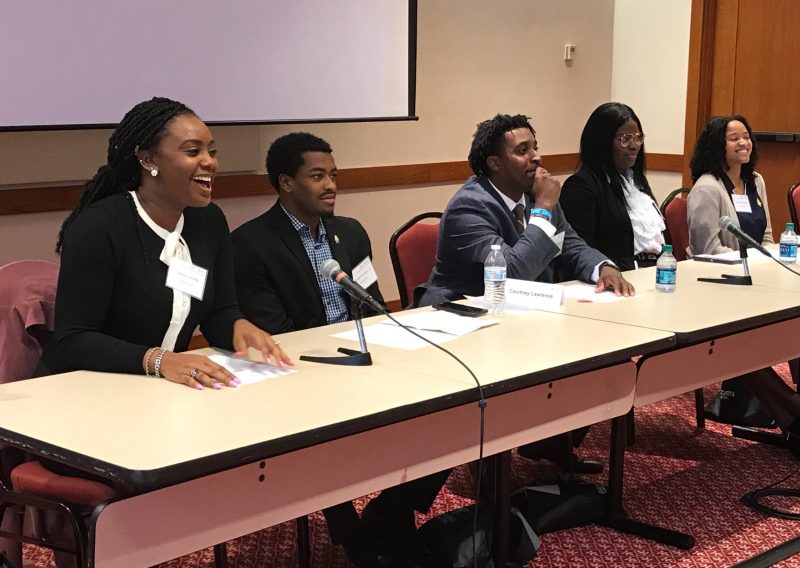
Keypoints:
pixel 745 280
pixel 351 357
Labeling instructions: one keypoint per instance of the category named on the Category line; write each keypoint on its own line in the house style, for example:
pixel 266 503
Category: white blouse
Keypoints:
pixel 646 220
pixel 174 247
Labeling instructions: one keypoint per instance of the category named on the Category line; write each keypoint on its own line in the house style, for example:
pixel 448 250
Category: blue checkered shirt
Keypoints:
pixel 318 251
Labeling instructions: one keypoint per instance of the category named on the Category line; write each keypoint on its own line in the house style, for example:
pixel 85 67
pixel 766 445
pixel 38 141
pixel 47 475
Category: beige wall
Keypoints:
pixel 475 58
pixel 649 73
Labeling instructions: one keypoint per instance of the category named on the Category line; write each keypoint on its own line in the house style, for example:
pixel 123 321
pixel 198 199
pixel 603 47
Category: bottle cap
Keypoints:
pixel 496 247
pixel 666 248
pixel 790 226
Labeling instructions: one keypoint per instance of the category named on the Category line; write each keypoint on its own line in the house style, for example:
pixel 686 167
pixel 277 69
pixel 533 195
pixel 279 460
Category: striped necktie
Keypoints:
pixel 519 218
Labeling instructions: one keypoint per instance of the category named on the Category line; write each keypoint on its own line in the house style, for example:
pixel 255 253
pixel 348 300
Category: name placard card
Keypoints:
pixel 525 294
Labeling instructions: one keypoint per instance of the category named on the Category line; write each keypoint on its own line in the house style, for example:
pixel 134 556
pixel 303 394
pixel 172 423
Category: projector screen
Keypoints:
pixel 84 64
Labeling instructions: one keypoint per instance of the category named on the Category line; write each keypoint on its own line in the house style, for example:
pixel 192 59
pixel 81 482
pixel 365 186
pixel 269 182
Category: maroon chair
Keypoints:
pixel 674 211
pixel 677 234
pixel 794 203
pixel 412 248
pixel 27 301
pixel 27 306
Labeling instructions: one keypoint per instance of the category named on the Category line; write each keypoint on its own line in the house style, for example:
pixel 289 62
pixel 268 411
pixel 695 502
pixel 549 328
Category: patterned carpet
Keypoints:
pixel 675 476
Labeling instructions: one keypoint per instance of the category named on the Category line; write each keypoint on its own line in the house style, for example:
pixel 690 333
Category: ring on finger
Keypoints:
pixel 194 372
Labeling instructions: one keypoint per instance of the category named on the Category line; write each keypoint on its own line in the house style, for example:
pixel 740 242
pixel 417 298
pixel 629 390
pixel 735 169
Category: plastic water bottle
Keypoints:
pixel 494 281
pixel 788 254
pixel 666 270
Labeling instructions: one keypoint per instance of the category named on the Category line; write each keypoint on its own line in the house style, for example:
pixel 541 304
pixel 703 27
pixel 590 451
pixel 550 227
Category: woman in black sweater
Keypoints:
pixel 146 258
pixel 608 201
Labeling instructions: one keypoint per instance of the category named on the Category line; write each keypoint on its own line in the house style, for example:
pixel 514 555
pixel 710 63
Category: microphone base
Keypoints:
pixel 729 279
pixel 351 358
pixel 756 435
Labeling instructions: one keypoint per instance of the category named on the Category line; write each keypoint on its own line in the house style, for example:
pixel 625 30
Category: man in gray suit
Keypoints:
pixel 512 201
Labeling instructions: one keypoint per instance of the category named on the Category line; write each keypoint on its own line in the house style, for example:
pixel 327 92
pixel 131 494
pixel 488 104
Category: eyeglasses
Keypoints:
pixel 626 139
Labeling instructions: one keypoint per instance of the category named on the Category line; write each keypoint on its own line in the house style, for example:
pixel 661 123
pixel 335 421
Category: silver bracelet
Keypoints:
pixel 157 368
pixel 149 356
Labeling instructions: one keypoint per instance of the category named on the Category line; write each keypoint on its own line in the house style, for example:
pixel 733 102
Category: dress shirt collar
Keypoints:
pixel 299 225
pixel 507 200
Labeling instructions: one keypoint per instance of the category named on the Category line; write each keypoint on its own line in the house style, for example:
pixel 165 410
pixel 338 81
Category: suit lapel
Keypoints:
pixel 286 232
pixel 336 240
pixel 509 231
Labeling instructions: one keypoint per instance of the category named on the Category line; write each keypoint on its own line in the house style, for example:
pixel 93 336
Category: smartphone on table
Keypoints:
pixel 460 309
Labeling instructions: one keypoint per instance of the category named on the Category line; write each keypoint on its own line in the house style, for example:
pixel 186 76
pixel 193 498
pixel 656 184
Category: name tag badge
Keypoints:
pixel 527 295
pixel 186 277
pixel 741 203
pixel 364 274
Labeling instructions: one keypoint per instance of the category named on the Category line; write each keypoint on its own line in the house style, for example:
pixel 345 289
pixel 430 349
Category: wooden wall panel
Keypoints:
pixel 779 163
pixel 723 74
pixel 62 198
pixel 746 63
pixel 767 81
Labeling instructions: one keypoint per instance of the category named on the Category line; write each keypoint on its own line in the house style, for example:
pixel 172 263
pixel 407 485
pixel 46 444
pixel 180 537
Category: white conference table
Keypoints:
pixel 721 331
pixel 207 466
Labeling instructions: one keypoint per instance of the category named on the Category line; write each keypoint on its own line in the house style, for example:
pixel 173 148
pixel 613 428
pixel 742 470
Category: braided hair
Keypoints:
pixel 142 128
pixel 709 150
pixel 490 137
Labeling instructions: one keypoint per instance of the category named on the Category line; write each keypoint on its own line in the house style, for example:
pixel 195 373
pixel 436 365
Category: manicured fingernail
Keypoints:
pixel 236 381
pixel 198 386
pixel 217 386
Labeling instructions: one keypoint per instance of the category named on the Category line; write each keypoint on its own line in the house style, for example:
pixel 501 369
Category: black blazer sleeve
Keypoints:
pixel 580 198
pixel 254 289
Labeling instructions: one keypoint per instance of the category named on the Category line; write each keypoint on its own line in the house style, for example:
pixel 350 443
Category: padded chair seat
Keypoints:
pixel 32 478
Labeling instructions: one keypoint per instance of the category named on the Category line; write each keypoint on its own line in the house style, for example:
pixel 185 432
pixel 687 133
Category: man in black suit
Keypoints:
pixel 277 259
pixel 278 255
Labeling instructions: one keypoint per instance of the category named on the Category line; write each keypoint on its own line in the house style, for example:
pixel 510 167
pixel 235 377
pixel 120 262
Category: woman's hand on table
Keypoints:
pixel 245 335
pixel 196 371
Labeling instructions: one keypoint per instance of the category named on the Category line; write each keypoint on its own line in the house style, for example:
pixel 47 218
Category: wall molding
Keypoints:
pixel 16 201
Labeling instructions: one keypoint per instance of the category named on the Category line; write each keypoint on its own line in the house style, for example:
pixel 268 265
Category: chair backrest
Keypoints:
pixel 413 251
pixel 674 211
pixel 794 203
pixel 27 308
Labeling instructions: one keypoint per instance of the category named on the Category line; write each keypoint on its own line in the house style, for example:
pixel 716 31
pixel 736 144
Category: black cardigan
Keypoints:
pixel 112 303
pixel 597 211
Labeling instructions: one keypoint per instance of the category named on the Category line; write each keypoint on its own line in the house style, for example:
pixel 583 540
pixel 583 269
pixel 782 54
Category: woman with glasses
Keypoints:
pixel 608 201
pixel 726 183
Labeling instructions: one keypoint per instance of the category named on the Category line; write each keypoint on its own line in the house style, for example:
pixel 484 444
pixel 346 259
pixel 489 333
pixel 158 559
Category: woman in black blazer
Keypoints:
pixel 608 200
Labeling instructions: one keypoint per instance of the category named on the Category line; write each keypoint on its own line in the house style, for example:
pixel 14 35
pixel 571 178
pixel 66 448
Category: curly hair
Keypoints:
pixel 490 137
pixel 709 151
pixel 285 155
pixel 597 142
pixel 142 128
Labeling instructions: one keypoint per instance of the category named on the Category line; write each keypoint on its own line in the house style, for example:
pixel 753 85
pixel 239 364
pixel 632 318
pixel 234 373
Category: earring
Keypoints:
pixel 154 172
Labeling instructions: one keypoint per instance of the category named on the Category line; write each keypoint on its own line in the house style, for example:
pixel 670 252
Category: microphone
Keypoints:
pixel 331 269
pixel 726 224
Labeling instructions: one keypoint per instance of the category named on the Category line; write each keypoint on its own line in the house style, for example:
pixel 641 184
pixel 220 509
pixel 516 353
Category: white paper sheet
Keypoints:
pixel 249 372
pixel 438 320
pixel 586 293
pixel 397 337
pixel 732 257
